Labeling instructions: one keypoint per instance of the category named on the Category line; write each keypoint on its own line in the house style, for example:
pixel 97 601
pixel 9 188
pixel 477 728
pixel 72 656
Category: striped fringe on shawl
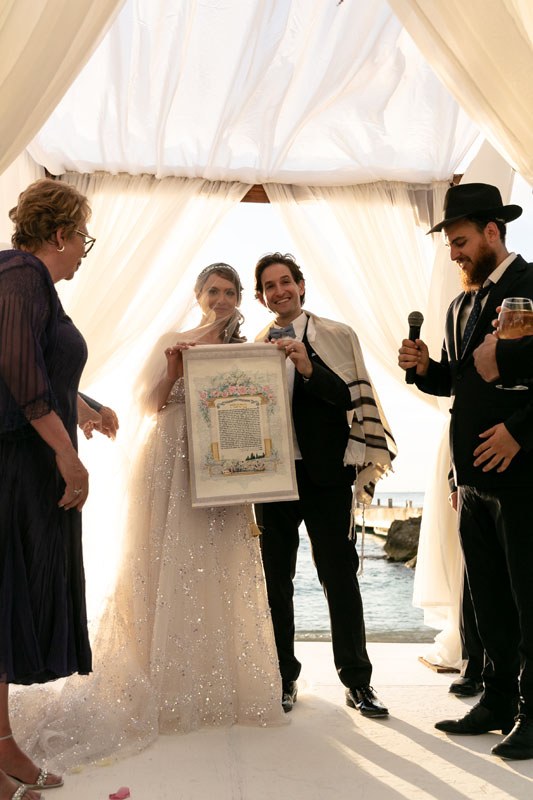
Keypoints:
pixel 371 446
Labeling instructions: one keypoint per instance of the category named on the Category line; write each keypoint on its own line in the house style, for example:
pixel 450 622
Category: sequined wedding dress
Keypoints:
pixel 186 641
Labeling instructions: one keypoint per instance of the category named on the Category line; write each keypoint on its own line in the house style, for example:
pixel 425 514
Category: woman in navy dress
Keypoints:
pixel 43 484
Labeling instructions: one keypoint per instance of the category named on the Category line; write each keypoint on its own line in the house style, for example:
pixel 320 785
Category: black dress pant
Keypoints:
pixel 497 538
pixel 326 513
pixel 473 654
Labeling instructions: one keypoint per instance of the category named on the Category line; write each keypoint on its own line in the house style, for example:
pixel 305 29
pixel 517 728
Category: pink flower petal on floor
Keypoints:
pixel 122 793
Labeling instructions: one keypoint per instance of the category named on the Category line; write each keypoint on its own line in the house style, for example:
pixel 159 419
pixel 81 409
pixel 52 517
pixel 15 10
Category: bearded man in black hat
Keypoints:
pixel 491 437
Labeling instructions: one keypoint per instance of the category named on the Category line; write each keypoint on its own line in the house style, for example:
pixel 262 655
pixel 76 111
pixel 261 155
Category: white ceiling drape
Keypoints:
pixel 44 44
pixel 20 173
pixel 129 290
pixel 483 52
pixel 365 247
pixel 288 91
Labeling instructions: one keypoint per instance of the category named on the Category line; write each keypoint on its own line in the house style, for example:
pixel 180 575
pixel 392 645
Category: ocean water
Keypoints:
pixel 386 589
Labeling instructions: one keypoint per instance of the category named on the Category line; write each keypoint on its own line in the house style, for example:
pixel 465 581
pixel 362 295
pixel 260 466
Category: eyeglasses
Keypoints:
pixel 89 241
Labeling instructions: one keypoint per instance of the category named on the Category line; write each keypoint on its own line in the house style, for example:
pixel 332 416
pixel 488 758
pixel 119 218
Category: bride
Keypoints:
pixel 186 640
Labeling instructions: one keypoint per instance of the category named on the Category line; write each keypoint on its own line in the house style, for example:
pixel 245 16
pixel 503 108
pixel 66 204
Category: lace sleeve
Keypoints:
pixel 25 308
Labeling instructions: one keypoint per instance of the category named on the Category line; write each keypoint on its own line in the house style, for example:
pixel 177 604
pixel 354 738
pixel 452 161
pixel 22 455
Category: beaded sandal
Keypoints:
pixel 20 792
pixel 40 782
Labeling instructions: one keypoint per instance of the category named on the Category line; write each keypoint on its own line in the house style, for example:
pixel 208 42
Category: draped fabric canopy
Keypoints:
pixel 296 94
pixel 148 233
pixel 287 91
pixel 44 44
pixel 483 52
pixel 364 233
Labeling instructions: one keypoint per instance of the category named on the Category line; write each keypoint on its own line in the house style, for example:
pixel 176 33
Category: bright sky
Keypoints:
pixel 252 229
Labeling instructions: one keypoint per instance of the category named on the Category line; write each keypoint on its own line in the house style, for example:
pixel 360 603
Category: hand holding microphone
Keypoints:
pixel 413 354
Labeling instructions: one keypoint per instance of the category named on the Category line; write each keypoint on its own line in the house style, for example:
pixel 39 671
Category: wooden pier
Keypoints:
pixel 381 517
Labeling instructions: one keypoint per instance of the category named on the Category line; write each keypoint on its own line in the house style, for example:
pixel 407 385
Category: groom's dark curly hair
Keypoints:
pixel 267 260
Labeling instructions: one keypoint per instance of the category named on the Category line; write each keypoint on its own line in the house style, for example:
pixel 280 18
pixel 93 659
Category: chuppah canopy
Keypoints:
pixel 312 93
pixel 290 91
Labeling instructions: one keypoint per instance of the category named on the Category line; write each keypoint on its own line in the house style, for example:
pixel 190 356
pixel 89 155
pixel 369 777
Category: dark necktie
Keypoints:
pixel 281 333
pixel 474 316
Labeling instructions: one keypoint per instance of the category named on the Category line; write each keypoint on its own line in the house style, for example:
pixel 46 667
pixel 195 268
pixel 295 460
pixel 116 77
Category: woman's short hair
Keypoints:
pixel 268 260
pixel 43 208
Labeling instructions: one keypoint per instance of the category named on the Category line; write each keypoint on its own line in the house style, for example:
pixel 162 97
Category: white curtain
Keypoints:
pixel 134 285
pixel 483 52
pixel 365 247
pixel 292 91
pixel 44 45
pixel 130 287
pixel 20 173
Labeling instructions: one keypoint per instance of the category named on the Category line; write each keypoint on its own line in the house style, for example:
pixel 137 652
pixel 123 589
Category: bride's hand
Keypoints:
pixel 175 359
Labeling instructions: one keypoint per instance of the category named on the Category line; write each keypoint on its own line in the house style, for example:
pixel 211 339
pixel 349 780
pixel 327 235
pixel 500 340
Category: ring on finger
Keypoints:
pixel 77 492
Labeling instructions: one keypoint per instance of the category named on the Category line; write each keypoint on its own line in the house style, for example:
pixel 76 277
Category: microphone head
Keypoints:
pixel 415 319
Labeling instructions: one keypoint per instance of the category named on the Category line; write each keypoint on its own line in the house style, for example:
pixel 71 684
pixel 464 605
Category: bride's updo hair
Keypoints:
pixel 232 329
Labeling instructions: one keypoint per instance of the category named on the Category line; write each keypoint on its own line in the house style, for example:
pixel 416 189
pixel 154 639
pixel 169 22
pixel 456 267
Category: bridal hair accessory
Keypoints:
pixel 214 267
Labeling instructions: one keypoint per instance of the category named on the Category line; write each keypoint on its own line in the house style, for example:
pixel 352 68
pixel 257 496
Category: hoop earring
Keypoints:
pixel 60 249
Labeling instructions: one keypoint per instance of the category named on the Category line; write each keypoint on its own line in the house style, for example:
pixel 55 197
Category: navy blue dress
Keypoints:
pixel 43 620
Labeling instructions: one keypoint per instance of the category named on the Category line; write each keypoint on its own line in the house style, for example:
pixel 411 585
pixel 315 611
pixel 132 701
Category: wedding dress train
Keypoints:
pixel 186 640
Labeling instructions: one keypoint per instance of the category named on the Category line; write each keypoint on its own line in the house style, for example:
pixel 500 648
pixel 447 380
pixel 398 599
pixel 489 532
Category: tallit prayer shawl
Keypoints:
pixel 371 446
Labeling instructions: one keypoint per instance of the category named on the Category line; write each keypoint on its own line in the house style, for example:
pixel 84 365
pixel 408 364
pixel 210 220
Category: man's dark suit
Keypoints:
pixel 319 408
pixel 494 508
pixel 515 360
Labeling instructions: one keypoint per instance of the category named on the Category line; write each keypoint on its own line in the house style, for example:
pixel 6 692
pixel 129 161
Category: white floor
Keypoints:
pixel 327 750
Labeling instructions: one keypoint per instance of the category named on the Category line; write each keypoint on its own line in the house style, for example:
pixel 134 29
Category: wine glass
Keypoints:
pixel 514 321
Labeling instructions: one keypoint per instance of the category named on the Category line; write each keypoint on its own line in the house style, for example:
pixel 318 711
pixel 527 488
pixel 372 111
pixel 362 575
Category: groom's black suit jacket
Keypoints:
pixel 479 405
pixel 319 408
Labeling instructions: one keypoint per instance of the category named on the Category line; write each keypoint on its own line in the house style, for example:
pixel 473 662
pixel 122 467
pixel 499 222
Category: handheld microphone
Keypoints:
pixel 415 320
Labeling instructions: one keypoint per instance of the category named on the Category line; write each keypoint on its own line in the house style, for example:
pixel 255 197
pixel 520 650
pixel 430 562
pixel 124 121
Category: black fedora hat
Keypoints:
pixel 477 199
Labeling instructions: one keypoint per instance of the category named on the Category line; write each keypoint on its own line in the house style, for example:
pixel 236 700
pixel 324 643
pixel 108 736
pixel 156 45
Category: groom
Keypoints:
pixel 324 384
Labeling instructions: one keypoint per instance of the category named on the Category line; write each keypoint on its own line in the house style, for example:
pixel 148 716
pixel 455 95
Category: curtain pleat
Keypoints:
pixel 44 45
pixel 291 91
pixel 482 50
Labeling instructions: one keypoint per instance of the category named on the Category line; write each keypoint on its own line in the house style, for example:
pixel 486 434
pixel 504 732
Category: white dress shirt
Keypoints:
pixel 299 325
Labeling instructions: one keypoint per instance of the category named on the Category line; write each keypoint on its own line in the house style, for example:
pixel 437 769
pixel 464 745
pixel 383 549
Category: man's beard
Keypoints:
pixel 479 270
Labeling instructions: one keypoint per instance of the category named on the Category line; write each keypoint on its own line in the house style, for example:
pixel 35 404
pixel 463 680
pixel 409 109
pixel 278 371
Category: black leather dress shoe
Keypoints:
pixel 519 743
pixel 289 695
pixel 466 687
pixel 478 720
pixel 364 699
